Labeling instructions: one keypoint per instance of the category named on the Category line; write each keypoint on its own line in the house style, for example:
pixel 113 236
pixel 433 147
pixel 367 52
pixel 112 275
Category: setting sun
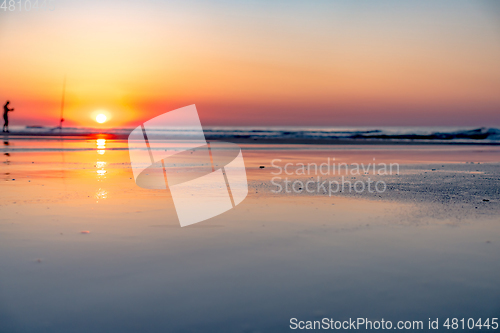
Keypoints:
pixel 101 118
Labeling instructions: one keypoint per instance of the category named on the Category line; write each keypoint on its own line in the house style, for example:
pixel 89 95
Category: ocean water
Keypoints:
pixel 372 134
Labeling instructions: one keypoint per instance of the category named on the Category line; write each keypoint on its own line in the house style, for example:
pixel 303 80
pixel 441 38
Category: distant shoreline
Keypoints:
pixel 26 135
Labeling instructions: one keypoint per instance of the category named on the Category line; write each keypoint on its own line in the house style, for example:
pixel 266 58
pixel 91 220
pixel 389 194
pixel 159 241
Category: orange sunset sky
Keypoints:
pixel 327 63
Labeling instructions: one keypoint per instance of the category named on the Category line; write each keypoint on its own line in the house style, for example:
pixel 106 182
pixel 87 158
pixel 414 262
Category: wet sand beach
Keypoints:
pixel 83 249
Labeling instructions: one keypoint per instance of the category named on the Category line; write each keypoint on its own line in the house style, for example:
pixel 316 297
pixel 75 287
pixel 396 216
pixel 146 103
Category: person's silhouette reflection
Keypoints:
pixel 6 144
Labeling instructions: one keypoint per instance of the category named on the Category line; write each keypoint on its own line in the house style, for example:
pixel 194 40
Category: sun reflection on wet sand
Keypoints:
pixel 101 143
pixel 101 194
pixel 101 146
pixel 100 164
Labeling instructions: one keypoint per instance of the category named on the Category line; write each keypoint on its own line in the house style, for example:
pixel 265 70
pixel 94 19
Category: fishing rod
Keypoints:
pixel 61 119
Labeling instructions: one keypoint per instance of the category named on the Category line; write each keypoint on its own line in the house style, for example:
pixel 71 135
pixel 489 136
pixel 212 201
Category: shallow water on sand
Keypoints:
pixel 83 249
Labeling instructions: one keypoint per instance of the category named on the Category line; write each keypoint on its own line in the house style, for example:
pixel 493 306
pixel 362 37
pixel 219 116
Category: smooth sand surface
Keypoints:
pixel 83 249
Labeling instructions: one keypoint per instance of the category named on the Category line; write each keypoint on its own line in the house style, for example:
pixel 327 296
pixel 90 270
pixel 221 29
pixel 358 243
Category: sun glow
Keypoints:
pixel 101 118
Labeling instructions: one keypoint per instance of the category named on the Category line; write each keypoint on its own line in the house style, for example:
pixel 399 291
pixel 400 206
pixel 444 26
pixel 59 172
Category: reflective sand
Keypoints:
pixel 83 249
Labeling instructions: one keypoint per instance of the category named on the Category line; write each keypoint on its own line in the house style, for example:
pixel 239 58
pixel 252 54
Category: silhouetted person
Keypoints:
pixel 6 111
